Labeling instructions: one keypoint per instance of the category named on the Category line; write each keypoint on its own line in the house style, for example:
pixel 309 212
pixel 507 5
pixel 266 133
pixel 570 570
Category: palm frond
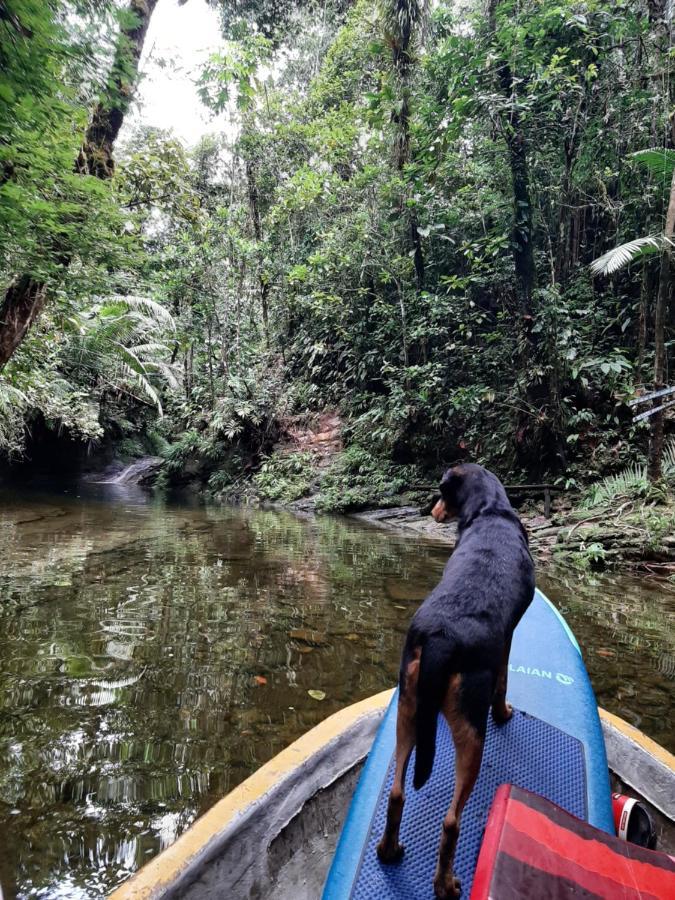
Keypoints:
pixel 658 160
pixel 116 340
pixel 168 373
pixel 150 348
pixel 402 16
pixel 625 254
pixel 140 381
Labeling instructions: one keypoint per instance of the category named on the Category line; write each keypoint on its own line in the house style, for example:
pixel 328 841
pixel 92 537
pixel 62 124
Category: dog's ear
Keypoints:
pixel 447 506
pixel 450 484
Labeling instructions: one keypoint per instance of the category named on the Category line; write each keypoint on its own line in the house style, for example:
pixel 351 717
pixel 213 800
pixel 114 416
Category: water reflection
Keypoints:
pixel 152 656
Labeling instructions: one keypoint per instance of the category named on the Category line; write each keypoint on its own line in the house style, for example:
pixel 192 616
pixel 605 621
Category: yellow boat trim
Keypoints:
pixel 163 870
pixel 647 744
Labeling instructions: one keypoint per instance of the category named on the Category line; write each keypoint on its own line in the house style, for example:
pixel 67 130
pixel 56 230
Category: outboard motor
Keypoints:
pixel 633 822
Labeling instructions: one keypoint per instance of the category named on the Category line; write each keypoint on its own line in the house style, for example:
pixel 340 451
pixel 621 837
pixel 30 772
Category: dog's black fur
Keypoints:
pixel 466 622
pixel 455 658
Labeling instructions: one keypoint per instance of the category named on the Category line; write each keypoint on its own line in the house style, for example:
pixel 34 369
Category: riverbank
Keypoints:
pixel 618 522
pixel 635 535
pixel 633 529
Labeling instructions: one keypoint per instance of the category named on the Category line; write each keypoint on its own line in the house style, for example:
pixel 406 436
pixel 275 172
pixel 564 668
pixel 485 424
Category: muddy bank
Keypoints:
pixel 637 536
pixel 543 534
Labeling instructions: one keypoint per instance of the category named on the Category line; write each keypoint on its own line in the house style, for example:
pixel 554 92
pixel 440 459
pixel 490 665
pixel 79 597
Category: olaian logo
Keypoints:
pixel 560 677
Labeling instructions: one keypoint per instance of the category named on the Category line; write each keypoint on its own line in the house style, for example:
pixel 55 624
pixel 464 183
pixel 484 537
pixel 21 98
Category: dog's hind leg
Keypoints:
pixel 501 710
pixel 466 710
pixel 390 850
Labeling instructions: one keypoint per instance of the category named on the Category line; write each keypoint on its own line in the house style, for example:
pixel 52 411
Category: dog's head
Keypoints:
pixel 464 487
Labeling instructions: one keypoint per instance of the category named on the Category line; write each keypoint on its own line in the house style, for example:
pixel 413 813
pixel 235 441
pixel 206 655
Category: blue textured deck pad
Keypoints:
pixel 526 751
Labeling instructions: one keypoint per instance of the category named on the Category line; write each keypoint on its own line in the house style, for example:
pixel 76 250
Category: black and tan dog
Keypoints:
pixel 455 658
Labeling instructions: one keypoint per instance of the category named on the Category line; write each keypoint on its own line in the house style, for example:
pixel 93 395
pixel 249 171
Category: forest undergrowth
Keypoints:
pixel 449 224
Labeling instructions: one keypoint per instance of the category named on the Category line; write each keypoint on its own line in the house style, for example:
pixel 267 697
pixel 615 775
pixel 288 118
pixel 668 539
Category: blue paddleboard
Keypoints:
pixel 552 745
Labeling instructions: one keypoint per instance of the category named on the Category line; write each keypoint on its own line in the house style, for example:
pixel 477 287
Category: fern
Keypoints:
pixel 13 403
pixel 669 461
pixel 631 483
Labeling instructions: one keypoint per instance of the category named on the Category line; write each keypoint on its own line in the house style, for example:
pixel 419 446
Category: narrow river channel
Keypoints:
pixel 153 654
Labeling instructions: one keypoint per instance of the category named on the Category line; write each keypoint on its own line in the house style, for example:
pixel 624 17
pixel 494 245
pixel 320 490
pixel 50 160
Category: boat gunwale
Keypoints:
pixel 656 764
pixel 312 762
pixel 315 761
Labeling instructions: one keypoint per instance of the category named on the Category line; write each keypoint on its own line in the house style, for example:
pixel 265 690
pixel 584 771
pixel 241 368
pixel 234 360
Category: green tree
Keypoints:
pixel 43 45
pixel 661 163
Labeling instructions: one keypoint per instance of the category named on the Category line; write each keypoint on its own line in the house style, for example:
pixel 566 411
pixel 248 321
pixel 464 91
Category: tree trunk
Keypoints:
pixel 522 231
pixel 643 319
pixel 23 302
pixel 263 281
pixel 522 234
pixel 660 316
pixel 403 17
pixel 96 155
pixel 188 371
pixel 570 149
pixel 25 297
pixel 539 441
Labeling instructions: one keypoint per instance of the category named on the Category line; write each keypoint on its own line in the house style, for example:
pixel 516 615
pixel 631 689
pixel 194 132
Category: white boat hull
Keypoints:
pixel 275 834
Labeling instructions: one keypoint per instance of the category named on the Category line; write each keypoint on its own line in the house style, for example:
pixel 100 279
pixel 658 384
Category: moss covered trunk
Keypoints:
pixel 26 296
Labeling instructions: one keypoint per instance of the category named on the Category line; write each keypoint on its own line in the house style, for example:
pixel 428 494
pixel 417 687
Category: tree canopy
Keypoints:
pixel 400 223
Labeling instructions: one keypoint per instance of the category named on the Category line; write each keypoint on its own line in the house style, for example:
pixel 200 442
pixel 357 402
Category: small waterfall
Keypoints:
pixel 139 472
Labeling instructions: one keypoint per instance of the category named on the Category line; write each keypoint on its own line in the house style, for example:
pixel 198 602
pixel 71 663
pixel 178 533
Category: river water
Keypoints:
pixel 152 655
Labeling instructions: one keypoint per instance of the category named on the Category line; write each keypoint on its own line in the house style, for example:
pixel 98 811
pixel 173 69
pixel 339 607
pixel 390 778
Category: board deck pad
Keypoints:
pixel 552 746
pixel 524 746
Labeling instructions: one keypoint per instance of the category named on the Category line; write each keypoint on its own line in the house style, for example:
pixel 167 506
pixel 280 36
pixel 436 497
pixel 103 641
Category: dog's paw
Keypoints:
pixel 390 854
pixel 502 714
pixel 447 888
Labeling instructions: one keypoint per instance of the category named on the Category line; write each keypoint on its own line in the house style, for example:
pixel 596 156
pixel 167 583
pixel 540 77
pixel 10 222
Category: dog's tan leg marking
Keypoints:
pixel 468 755
pixel 501 710
pixel 390 850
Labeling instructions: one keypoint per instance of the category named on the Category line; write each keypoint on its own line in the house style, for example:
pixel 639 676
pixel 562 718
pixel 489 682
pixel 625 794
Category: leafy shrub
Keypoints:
pixel 669 461
pixel 221 481
pixel 285 478
pixel 231 477
pixel 588 556
pixel 192 445
pixel 130 448
pixel 357 479
pixel 659 525
pixel 12 408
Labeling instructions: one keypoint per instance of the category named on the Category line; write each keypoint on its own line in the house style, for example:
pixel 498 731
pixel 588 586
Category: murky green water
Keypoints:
pixel 153 655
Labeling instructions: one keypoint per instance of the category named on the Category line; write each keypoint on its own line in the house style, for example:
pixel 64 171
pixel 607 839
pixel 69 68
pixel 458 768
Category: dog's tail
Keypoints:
pixel 432 684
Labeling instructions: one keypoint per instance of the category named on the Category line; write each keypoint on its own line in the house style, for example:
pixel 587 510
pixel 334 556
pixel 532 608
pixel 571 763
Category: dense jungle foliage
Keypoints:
pixel 397 222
